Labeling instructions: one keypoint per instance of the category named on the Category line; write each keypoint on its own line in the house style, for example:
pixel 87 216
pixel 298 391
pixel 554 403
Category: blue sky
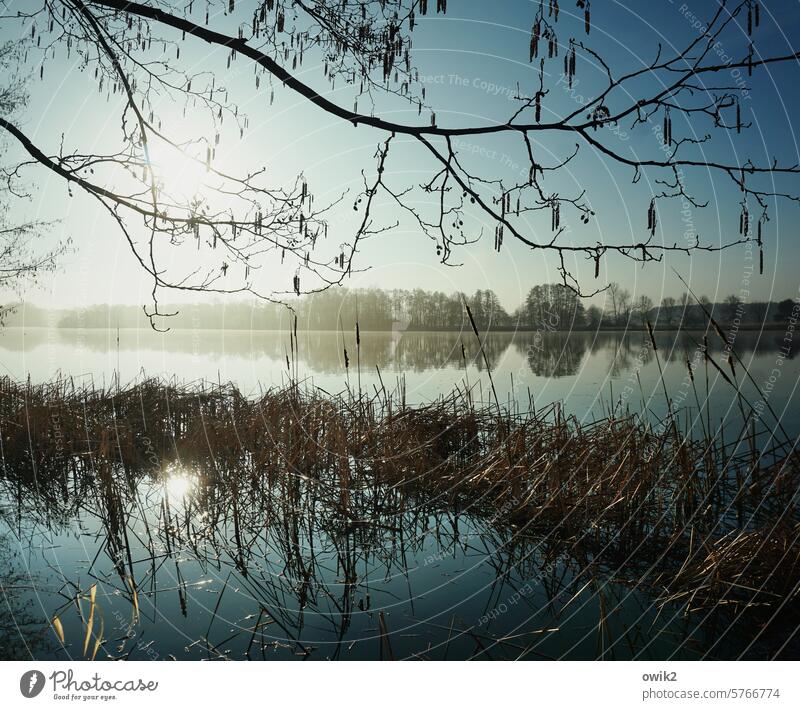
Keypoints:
pixel 470 61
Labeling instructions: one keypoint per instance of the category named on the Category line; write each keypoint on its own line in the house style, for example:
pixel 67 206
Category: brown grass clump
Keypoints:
pixel 743 569
pixel 647 497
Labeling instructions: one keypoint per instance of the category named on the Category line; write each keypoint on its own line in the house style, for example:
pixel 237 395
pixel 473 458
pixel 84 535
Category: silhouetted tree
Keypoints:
pixel 619 301
pixel 594 317
pixel 243 222
pixel 784 310
pixel 551 307
pixel 667 311
pixel 731 308
pixel 644 304
pixel 22 258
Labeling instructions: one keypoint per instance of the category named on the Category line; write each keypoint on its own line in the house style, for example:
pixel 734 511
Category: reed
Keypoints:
pixel 302 463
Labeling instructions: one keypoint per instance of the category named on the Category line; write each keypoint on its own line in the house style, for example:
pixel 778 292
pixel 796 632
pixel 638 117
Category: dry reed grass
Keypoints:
pixel 651 490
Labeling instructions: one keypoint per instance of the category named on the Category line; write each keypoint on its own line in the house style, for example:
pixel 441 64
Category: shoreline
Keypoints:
pixel 464 329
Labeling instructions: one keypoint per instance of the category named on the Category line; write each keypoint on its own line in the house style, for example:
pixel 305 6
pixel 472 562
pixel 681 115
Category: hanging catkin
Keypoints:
pixel 535 33
pixel 569 62
pixel 587 17
pixel 651 217
pixel 572 64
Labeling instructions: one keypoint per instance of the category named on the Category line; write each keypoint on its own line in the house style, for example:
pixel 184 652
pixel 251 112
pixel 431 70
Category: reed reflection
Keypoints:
pixel 213 526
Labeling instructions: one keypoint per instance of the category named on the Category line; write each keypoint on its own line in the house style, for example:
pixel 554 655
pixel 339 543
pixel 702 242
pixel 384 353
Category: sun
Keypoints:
pixel 179 174
pixel 179 484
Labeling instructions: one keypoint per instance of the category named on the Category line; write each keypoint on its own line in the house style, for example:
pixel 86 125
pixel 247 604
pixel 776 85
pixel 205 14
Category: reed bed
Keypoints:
pixel 718 522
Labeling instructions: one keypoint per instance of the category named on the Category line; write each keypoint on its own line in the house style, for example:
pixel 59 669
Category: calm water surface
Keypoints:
pixel 426 582
pixel 586 372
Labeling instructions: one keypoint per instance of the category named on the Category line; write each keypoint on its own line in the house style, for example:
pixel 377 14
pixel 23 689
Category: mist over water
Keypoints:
pixel 584 371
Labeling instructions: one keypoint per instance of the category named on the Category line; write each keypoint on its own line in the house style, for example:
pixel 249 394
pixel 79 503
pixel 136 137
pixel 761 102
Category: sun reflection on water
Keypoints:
pixel 179 484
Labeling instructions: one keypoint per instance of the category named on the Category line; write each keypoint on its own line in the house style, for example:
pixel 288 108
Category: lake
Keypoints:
pixel 422 580
pixel 586 371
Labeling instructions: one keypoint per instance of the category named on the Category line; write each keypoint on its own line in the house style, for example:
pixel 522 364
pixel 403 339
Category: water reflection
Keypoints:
pixel 179 484
pixel 270 579
pixel 553 354
pixel 24 634
pixel 210 534
pixel 549 354
pixel 204 547
pixel 583 371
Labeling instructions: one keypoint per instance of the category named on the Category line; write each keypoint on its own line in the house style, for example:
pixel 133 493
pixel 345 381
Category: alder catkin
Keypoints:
pixel 651 217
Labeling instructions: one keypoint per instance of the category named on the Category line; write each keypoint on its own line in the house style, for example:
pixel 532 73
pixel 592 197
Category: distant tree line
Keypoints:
pixel 548 307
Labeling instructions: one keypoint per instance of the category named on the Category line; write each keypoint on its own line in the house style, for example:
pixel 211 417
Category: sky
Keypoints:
pixel 471 62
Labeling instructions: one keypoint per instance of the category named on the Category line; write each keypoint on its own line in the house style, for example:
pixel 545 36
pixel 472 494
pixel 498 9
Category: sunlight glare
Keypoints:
pixel 177 173
pixel 179 485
